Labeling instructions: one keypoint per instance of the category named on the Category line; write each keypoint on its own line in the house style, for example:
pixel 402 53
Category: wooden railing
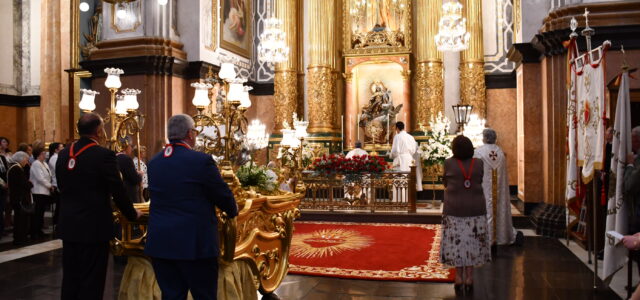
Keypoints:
pixel 387 191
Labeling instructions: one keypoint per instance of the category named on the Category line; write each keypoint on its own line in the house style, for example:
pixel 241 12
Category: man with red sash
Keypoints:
pixel 182 238
pixel 88 178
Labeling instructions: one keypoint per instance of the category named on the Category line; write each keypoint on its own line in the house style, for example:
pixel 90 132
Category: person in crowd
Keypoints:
pixel 182 238
pixel 4 167
pixel 24 147
pixel 20 197
pixel 494 159
pixel 632 180
pixel 41 178
pixel 404 151
pixel 141 165
pixel 357 151
pixel 54 149
pixel 88 180
pixel 130 175
pixel 465 240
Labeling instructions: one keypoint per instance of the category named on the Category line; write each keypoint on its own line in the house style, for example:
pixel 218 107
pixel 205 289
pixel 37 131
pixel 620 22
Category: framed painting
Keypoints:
pixel 235 26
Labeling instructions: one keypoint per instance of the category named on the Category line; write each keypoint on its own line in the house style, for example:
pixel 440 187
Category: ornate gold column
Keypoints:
pixel 472 85
pixel 286 73
pixel 429 78
pixel 321 81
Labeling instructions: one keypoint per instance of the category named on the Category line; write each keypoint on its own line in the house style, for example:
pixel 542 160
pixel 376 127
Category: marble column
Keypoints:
pixel 472 84
pixel 321 80
pixel 286 73
pixel 429 78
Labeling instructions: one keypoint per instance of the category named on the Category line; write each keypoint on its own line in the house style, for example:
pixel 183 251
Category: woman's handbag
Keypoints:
pixel 28 208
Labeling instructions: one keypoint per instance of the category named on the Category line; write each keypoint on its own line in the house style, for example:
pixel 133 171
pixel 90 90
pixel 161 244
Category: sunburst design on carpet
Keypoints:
pixel 328 242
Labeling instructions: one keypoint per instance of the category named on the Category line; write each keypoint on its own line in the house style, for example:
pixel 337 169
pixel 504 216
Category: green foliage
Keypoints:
pixel 251 175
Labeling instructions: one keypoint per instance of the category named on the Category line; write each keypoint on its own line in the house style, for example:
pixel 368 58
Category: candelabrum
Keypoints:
pixel 292 145
pixel 223 132
pixel 123 117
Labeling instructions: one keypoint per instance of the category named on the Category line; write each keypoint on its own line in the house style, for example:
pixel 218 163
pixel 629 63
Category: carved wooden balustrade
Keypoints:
pixel 387 191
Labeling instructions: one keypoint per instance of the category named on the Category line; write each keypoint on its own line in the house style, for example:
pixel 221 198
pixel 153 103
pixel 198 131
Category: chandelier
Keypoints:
pixel 273 41
pixel 452 30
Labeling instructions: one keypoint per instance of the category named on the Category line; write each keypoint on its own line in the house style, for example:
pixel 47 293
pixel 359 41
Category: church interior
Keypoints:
pixel 338 127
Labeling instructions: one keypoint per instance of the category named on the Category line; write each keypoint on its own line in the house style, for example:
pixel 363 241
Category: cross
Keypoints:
pixel 493 155
pixel 586 17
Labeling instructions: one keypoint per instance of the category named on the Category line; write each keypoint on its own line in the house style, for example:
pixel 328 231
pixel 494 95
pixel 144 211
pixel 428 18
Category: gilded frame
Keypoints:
pixel 244 51
pixel 214 26
pixel 347 35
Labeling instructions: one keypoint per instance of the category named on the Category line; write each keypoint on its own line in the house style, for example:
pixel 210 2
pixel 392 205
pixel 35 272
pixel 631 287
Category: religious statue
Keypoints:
pixel 378 114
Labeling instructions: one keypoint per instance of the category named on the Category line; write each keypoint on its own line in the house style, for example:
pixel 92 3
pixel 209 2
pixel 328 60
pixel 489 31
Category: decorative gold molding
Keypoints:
pixel 75 34
pixel 428 13
pixel 373 43
pixel 321 98
pixel 285 97
pixel 214 26
pixel 429 84
pixel 472 87
pixel 138 22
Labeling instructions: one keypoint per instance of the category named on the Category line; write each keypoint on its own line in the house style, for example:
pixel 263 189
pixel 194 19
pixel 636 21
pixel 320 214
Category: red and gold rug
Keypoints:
pixel 372 251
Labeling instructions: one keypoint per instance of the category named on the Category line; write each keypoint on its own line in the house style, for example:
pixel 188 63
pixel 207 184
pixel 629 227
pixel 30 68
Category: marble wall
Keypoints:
pixel 6 47
pixel 501 117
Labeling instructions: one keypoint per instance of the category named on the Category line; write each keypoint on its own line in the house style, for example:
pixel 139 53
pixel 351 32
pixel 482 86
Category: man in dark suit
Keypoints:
pixel 182 239
pixel 88 178
pixel 130 176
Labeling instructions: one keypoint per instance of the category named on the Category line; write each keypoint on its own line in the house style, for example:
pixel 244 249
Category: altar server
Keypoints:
pixel 495 161
pixel 357 151
pixel 404 151
pixel 182 239
pixel 88 180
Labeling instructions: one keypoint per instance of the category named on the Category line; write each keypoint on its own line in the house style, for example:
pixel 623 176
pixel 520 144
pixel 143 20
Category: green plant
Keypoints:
pixel 251 175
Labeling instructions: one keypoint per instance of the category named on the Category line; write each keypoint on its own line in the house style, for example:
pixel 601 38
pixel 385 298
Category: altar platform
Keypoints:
pixel 423 215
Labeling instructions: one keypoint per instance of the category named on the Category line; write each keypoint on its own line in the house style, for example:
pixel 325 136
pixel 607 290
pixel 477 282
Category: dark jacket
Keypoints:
pixel 19 187
pixel 185 189
pixel 130 176
pixel 86 193
pixel 458 200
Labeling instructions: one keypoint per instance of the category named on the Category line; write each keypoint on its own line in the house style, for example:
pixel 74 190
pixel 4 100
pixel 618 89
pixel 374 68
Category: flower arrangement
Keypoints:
pixel 438 146
pixel 350 167
pixel 473 130
pixel 251 175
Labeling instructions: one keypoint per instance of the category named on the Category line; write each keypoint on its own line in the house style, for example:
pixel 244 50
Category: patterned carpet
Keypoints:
pixel 372 251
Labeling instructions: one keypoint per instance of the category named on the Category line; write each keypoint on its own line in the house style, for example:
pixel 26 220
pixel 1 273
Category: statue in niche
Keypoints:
pixel 378 115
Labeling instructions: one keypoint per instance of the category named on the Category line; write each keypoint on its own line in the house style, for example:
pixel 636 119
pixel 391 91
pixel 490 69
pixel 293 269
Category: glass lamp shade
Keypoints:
pixel 121 106
pixel 301 129
pixel 462 113
pixel 245 101
pixel 236 91
pixel 113 78
pixel 227 71
pixel 201 96
pixel 87 102
pixel 288 137
pixel 131 98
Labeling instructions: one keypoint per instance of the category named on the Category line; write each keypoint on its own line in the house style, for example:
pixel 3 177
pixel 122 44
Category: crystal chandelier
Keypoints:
pixel 273 41
pixel 452 29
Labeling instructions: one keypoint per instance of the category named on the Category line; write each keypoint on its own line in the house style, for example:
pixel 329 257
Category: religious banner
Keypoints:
pixel 572 182
pixel 615 254
pixel 591 110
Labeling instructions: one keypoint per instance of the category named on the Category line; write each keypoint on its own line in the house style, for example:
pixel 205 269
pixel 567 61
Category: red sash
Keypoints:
pixel 72 156
pixel 168 150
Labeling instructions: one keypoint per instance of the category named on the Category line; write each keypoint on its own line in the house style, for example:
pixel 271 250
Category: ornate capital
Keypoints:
pixel 321 98
pixel 429 82
pixel 285 96
pixel 473 88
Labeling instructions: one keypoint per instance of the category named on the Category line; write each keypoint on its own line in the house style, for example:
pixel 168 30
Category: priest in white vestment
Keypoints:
pixel 404 151
pixel 357 151
pixel 494 159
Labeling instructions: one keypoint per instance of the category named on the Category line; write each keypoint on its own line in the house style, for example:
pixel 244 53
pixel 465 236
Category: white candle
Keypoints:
pixel 358 127
pixel 342 130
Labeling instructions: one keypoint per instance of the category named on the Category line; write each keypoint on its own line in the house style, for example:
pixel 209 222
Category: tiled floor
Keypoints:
pixel 542 269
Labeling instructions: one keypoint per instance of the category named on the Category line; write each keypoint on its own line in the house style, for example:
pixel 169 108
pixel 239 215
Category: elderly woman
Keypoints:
pixel 41 178
pixel 20 197
pixel 465 239
pixel 142 167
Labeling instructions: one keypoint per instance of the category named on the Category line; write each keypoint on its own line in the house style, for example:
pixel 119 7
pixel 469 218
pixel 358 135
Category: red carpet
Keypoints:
pixel 373 251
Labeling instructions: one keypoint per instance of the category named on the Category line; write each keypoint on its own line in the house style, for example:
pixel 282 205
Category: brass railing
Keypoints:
pixel 387 191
